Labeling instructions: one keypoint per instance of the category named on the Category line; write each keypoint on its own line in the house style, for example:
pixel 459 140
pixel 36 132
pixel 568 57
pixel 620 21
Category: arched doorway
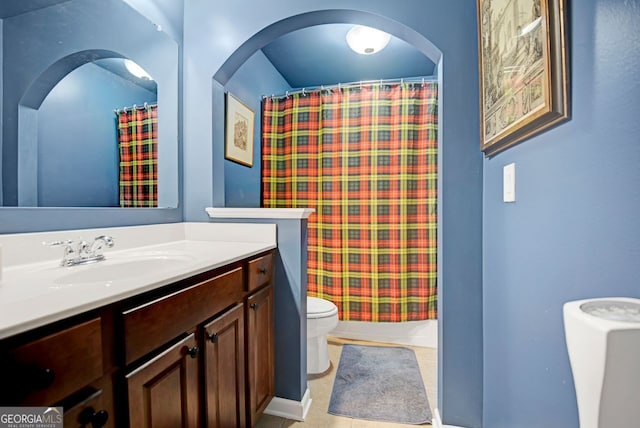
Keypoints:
pixel 235 61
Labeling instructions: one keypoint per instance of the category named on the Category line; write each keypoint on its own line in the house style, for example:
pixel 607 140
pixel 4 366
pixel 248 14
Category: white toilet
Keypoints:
pixel 603 340
pixel 322 317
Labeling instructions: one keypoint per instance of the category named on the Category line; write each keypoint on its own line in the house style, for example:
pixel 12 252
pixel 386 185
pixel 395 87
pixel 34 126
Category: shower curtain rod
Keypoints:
pixel 126 109
pixel 354 85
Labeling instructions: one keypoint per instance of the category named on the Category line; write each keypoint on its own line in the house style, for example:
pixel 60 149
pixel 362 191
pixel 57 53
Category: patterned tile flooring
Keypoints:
pixel 322 385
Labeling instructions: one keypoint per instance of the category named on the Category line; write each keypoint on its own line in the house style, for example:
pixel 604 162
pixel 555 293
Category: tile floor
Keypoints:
pixel 321 386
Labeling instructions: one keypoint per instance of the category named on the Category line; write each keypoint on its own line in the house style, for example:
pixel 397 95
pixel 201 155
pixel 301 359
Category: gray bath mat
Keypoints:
pixel 381 384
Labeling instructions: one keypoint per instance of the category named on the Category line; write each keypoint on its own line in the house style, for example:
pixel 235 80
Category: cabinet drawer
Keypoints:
pixel 94 411
pixel 47 370
pixel 153 324
pixel 260 271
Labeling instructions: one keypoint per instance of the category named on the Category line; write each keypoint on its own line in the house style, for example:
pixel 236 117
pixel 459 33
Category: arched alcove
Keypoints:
pixel 42 85
pixel 333 16
pixel 296 334
pixel 288 25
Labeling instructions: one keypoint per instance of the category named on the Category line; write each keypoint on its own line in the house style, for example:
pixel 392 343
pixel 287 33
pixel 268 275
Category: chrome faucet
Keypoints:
pixel 82 253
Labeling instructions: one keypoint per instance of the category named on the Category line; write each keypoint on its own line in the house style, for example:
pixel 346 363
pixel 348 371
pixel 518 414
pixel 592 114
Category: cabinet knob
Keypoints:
pixel 263 271
pixel 96 419
pixel 193 352
pixel 99 419
pixel 253 306
pixel 213 337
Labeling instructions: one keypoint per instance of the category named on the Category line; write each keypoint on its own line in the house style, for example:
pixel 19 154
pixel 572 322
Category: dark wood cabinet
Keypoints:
pixel 198 353
pixel 48 369
pixel 93 411
pixel 260 352
pixel 224 370
pixel 68 367
pixel 164 391
pixel 152 324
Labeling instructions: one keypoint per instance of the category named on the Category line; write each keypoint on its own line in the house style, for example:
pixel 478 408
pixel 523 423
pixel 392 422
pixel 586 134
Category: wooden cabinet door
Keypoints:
pixel 164 391
pixel 260 344
pixel 224 367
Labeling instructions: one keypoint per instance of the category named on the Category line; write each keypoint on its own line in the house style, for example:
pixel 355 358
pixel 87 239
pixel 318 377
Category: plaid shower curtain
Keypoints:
pixel 366 159
pixel 138 148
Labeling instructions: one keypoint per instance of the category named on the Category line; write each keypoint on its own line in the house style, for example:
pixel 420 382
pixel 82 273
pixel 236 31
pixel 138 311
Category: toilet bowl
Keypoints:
pixel 322 317
pixel 603 340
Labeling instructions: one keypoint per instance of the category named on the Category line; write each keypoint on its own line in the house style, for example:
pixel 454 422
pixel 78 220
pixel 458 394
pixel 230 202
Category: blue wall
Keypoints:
pixel 86 146
pixel 256 77
pixel 213 31
pixel 574 231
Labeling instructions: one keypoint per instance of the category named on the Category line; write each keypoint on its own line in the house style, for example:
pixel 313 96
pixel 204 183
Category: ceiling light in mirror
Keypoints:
pixel 367 40
pixel 136 70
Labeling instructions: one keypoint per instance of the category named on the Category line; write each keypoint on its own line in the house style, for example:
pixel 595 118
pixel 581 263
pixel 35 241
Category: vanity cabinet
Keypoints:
pixel 224 370
pixel 67 368
pixel 191 354
pixel 153 324
pixel 95 411
pixel 260 347
pixel 164 391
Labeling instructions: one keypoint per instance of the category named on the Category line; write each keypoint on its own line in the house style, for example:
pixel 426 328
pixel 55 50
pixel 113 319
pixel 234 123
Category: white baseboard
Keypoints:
pixel 437 421
pixel 290 409
pixel 414 333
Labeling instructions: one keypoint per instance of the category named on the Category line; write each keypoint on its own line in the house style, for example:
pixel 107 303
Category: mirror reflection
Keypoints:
pixel 97 139
pixel 89 108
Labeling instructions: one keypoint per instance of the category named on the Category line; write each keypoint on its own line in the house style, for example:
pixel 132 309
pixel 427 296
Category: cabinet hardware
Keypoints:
pixel 213 337
pixel 253 306
pixel 263 271
pixel 193 352
pixel 96 419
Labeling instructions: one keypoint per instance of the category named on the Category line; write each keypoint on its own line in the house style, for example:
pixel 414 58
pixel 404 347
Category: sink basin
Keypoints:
pixel 113 270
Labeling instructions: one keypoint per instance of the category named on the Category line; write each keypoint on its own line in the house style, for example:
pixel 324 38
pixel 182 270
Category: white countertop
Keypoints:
pixel 34 293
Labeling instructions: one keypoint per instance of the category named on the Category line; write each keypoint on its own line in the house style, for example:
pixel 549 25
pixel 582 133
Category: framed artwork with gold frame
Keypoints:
pixel 239 124
pixel 523 62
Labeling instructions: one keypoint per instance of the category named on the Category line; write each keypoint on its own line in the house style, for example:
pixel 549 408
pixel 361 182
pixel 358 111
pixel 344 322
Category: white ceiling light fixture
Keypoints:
pixel 136 70
pixel 367 40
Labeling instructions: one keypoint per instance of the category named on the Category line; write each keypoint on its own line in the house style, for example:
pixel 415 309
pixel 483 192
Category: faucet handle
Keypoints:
pixel 99 243
pixel 108 240
pixel 103 240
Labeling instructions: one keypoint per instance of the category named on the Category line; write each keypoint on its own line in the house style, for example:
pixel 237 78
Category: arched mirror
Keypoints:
pixel 89 108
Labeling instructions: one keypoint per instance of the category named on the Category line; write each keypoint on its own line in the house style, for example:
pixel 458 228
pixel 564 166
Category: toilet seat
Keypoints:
pixel 320 308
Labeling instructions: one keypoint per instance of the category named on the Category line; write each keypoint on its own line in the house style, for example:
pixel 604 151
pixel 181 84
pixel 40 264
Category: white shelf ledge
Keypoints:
pixel 275 213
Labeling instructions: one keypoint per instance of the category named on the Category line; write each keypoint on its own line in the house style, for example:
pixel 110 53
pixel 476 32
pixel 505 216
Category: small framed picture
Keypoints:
pixel 239 125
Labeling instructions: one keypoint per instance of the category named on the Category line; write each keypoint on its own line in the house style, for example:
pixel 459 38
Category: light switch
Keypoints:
pixel 509 183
